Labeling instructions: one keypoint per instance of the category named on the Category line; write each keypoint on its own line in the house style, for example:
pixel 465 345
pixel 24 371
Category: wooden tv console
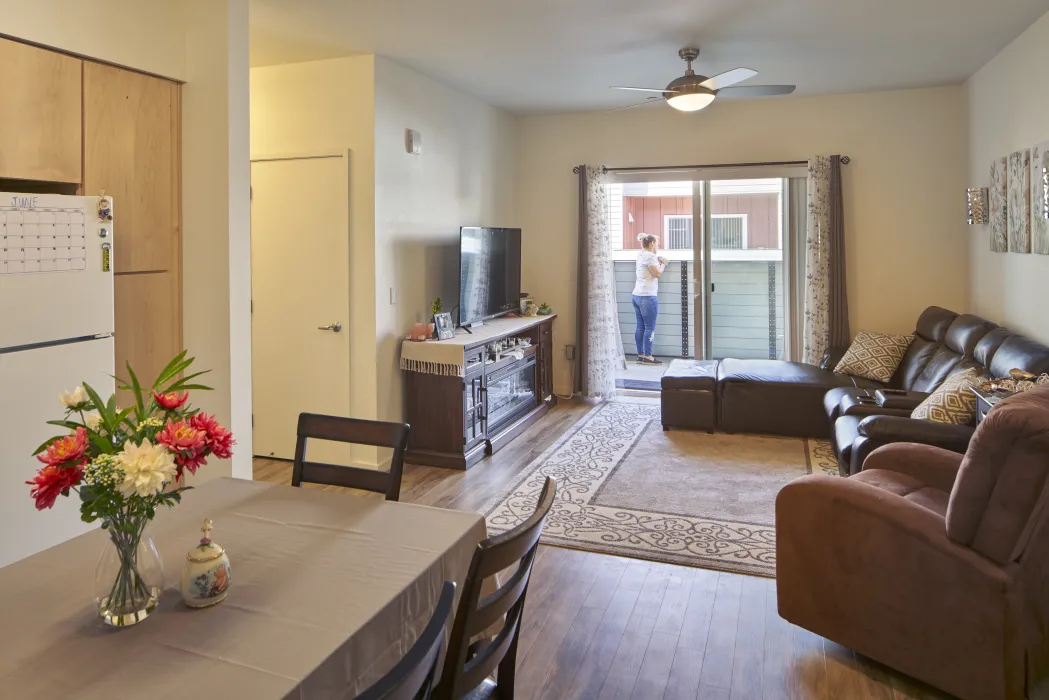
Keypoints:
pixel 457 420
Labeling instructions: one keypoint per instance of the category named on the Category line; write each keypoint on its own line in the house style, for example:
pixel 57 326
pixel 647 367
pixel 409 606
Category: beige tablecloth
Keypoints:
pixel 328 592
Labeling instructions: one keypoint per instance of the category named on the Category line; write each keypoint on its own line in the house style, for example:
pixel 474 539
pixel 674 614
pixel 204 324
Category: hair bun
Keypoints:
pixel 642 236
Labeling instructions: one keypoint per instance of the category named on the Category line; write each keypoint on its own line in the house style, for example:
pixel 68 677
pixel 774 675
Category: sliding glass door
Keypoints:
pixel 743 307
pixel 726 290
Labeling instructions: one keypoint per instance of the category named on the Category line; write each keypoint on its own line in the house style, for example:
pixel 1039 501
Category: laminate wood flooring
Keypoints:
pixel 603 627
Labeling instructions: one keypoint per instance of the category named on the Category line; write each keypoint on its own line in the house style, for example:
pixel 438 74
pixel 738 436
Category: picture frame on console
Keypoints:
pixel 443 326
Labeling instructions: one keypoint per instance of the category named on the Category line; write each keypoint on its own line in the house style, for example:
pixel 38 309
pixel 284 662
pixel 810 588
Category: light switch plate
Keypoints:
pixel 413 142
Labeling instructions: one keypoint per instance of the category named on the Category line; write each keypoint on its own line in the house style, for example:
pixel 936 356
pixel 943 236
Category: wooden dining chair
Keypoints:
pixel 413 676
pixel 358 432
pixel 466 665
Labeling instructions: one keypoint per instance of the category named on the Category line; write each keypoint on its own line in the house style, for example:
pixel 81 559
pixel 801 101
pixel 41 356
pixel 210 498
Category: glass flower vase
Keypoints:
pixel 129 577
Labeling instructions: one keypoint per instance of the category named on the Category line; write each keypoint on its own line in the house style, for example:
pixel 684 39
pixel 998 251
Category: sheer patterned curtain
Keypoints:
pixel 600 345
pixel 826 308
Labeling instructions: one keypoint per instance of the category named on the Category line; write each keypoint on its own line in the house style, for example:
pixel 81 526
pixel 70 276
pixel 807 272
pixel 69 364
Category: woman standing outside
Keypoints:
pixel 649 268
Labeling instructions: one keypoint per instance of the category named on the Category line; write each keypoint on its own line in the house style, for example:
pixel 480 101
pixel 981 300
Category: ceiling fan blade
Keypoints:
pixel 620 87
pixel 649 101
pixel 729 77
pixel 756 91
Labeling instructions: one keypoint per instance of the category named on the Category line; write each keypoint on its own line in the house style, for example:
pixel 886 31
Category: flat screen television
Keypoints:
pixel 489 273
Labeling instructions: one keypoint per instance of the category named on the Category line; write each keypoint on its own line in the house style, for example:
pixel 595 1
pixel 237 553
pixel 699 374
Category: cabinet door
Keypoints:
pixel 39 114
pixel 131 150
pixel 148 324
pixel 473 426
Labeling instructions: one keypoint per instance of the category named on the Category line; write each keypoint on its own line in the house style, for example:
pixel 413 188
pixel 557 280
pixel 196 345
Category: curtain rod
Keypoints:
pixel 663 168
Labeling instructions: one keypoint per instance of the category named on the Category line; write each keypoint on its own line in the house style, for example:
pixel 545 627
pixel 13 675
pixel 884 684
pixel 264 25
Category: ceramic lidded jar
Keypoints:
pixel 206 573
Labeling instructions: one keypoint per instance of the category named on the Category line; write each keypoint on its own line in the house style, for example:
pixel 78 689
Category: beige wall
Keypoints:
pixel 147 35
pixel 905 246
pixel 325 106
pixel 1009 111
pixel 463 177
pixel 216 218
pixel 205 44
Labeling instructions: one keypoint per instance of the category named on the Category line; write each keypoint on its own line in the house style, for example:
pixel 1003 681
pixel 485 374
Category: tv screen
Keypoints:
pixel 489 273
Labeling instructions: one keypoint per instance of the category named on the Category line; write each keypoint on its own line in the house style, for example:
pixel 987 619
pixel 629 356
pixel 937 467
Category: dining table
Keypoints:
pixel 328 591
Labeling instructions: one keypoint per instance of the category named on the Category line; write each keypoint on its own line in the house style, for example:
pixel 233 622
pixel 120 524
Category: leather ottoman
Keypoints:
pixel 689 395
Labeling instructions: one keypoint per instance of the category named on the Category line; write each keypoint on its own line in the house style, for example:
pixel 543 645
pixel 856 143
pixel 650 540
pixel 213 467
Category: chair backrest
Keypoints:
pixel 466 666
pixel 413 676
pixel 1001 495
pixel 358 432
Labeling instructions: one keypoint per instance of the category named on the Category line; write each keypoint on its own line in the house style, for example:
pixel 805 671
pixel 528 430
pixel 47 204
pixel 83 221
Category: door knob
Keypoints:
pixel 333 327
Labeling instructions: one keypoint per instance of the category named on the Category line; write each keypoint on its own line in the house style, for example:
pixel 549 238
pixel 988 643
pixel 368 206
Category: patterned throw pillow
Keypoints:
pixel 952 402
pixel 874 355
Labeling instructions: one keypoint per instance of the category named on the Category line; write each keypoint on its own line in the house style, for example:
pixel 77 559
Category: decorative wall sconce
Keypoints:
pixel 977 205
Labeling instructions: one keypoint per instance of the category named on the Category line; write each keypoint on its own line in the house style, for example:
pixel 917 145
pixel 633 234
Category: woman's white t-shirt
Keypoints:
pixel 647 284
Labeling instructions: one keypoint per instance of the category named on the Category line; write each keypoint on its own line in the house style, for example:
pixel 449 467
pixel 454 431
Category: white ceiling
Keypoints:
pixel 536 56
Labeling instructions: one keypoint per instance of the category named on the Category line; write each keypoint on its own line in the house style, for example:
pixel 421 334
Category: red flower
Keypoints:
pixel 170 402
pixel 68 449
pixel 187 442
pixel 51 481
pixel 220 441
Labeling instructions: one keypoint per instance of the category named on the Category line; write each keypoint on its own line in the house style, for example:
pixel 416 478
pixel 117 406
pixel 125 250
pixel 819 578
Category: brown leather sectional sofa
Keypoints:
pixel 791 398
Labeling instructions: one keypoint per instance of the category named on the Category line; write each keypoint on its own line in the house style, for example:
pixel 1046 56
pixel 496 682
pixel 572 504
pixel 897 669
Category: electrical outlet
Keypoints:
pixel 570 352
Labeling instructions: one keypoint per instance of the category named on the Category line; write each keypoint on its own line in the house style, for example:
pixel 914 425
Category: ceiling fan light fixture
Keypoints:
pixel 690 102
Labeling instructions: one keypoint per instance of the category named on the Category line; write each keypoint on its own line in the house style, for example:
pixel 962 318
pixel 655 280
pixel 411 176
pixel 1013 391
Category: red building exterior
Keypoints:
pixel 762 216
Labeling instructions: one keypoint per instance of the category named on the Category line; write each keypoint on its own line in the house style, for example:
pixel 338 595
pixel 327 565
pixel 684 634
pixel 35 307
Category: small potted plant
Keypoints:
pixel 544 309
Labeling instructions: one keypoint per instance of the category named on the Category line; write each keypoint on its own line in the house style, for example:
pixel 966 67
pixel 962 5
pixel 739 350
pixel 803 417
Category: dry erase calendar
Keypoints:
pixel 42 234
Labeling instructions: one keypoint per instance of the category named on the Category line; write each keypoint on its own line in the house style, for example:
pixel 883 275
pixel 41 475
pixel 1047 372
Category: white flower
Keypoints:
pixel 93 421
pixel 146 468
pixel 73 398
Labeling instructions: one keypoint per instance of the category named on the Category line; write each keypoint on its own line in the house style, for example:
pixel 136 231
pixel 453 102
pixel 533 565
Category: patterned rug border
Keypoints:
pixel 812 448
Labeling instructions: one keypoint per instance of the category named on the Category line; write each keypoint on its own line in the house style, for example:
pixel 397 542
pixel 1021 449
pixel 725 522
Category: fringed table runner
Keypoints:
pixel 446 358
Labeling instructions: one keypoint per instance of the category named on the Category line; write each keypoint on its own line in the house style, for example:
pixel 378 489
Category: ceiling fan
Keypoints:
pixel 691 92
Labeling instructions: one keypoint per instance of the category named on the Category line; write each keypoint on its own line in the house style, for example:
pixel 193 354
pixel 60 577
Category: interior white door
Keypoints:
pixel 300 298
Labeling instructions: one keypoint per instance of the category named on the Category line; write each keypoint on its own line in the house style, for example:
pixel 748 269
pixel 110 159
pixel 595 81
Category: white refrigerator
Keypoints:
pixel 56 331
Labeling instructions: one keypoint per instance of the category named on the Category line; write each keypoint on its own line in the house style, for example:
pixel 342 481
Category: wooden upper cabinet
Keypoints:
pixel 40 114
pixel 131 150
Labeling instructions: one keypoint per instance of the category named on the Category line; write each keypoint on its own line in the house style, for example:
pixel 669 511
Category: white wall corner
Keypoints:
pixel 216 240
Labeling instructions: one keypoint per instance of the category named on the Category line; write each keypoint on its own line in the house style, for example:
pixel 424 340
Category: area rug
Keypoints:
pixel 627 488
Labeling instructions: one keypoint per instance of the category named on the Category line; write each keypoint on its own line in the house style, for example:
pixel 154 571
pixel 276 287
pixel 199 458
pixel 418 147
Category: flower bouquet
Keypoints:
pixel 124 464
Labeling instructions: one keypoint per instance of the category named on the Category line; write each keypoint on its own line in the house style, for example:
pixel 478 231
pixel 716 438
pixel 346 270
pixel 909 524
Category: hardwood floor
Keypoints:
pixel 605 627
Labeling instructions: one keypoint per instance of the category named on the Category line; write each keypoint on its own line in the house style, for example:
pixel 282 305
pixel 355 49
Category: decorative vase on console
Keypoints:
pixel 124 464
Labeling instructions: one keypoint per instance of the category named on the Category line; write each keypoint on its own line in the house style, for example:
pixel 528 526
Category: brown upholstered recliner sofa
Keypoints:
pixel 944 559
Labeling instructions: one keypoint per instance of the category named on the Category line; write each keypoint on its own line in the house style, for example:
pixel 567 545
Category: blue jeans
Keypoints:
pixel 645 309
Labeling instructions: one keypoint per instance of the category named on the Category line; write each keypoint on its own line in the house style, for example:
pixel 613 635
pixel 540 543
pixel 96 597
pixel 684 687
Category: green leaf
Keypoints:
pixel 103 408
pixel 103 444
pixel 173 368
pixel 65 424
pixel 136 388
pixel 183 383
pixel 193 387
pixel 168 372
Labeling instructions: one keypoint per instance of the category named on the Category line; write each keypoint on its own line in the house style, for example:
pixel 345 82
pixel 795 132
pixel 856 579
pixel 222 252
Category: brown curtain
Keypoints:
pixel 582 289
pixel 838 301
